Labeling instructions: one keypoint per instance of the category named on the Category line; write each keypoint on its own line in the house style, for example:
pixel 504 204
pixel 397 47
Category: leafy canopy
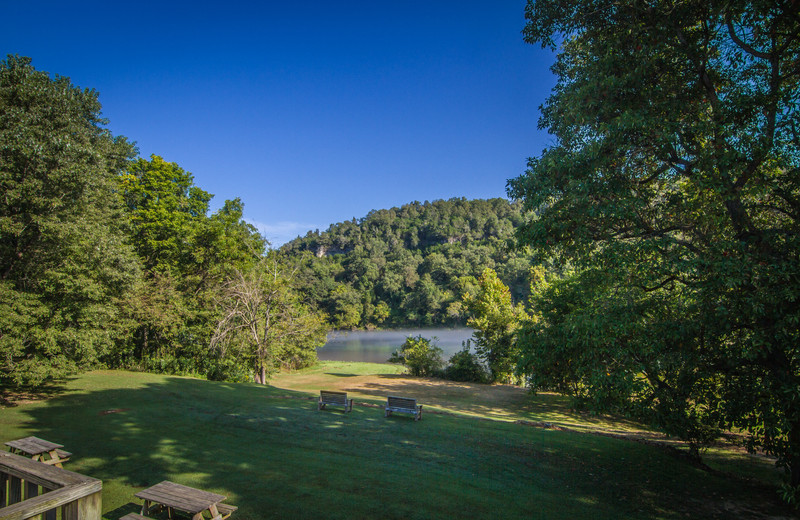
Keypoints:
pixel 65 263
pixel 673 191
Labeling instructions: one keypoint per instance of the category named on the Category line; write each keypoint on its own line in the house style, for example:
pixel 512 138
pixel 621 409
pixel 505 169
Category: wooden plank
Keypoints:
pixel 33 445
pixel 56 498
pixel 135 516
pixel 42 474
pixel 177 496
pixel 3 489
pixel 90 507
pixel 225 510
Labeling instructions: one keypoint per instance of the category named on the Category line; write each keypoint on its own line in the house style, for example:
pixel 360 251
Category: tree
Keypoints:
pixel 495 319
pixel 264 322
pixel 65 263
pixel 186 255
pixel 675 180
pixel 420 355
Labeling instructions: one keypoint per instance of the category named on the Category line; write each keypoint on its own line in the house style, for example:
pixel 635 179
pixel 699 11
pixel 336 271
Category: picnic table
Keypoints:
pixel 184 498
pixel 40 449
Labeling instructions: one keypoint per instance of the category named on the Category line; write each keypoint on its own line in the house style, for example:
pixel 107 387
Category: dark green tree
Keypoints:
pixel 187 254
pixel 419 355
pixel 64 260
pixel 675 181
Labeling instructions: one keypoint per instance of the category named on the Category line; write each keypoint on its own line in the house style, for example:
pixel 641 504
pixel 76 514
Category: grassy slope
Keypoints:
pixel 275 456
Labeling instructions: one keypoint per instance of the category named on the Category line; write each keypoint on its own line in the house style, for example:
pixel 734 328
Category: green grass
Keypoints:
pixel 275 456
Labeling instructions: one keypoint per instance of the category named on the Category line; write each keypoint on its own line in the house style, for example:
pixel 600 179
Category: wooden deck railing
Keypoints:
pixel 29 489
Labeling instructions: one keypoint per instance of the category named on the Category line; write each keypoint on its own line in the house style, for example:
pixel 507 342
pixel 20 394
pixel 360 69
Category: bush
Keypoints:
pixel 466 367
pixel 420 356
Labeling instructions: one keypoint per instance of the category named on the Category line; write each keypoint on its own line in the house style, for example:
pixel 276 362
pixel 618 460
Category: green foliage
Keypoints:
pixel 420 356
pixel 466 366
pixel 102 259
pixel 187 255
pixel 264 324
pixel 402 266
pixel 495 319
pixel 672 192
pixel 65 264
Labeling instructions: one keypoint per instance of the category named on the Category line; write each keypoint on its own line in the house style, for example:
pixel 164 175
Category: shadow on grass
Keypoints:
pixel 340 375
pixel 14 396
pixel 280 458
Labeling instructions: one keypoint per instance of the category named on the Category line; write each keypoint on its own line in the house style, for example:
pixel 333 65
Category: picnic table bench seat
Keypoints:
pixel 63 456
pixel 329 398
pixel 403 405
pixel 226 509
pixel 135 516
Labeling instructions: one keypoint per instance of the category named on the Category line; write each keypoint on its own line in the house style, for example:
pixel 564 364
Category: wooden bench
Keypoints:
pixel 63 456
pixel 225 510
pixel 328 398
pixel 135 516
pixel 403 405
pixel 40 450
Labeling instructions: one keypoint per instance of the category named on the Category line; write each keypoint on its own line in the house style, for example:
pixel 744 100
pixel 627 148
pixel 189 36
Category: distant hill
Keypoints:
pixel 409 266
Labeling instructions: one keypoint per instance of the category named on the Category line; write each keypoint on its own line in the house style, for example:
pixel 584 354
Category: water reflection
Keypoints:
pixel 376 346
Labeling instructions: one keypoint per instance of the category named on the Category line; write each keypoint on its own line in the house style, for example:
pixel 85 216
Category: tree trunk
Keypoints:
pixel 794 455
pixel 257 374
pixel 260 373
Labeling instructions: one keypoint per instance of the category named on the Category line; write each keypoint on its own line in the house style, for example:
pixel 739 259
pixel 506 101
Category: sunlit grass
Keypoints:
pixel 275 456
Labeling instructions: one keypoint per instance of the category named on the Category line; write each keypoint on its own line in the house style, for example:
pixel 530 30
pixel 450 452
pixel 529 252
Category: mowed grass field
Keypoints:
pixel 478 452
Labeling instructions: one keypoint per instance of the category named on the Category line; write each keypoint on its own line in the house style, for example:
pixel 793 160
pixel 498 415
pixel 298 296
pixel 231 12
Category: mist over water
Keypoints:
pixel 376 346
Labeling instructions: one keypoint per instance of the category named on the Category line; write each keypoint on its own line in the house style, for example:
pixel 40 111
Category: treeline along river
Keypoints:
pixel 376 346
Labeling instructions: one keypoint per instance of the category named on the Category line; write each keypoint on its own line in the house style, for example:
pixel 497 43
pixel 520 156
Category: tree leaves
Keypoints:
pixel 672 190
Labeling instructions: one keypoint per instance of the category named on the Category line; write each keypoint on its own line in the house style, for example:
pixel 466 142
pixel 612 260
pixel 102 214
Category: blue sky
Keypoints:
pixel 311 112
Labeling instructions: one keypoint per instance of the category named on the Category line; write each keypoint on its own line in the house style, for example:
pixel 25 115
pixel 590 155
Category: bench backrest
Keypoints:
pixel 333 397
pixel 402 402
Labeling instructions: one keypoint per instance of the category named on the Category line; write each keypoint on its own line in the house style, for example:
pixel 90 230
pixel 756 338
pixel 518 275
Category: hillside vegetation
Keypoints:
pixel 409 266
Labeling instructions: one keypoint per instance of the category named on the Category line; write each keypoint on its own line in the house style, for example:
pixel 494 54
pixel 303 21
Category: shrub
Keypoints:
pixel 420 356
pixel 465 366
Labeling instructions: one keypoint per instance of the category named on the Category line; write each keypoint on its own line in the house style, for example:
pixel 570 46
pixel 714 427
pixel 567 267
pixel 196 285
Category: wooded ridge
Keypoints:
pixel 410 265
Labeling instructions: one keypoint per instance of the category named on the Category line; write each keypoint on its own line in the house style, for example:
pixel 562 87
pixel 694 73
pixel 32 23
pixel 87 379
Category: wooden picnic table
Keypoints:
pixel 183 498
pixel 39 449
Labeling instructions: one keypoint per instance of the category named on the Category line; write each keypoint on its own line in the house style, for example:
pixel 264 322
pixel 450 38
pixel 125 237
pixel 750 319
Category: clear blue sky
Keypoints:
pixel 311 112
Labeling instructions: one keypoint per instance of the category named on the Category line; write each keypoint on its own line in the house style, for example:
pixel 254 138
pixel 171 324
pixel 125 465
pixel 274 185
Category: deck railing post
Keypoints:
pixel 85 508
pixel 30 490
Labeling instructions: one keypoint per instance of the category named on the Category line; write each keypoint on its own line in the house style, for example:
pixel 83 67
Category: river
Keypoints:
pixel 376 346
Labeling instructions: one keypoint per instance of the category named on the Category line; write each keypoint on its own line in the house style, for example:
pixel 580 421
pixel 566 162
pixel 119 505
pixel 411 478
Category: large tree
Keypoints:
pixel 186 255
pixel 264 322
pixel 673 188
pixel 495 318
pixel 64 261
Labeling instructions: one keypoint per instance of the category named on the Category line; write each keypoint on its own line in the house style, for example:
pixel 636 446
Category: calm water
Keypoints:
pixel 376 346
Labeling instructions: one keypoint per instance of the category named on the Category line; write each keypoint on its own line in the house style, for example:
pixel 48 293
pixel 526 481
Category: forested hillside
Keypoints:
pixel 410 265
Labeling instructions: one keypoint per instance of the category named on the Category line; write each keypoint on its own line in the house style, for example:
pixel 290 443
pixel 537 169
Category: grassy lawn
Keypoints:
pixel 275 456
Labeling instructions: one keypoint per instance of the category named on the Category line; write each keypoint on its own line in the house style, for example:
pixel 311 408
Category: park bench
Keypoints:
pixel 328 398
pixel 403 405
